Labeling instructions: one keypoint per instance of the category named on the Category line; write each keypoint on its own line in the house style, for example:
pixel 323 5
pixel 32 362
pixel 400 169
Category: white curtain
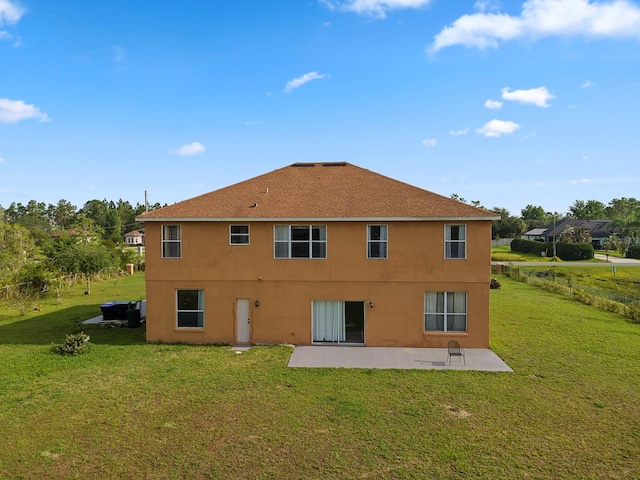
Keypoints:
pixel 328 321
pixel 457 311
pixel 434 311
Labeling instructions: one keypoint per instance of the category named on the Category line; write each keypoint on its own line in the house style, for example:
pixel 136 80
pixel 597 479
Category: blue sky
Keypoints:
pixel 508 103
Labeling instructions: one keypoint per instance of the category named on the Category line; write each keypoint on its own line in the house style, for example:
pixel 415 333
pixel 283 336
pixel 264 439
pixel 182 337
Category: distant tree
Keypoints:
pixel 623 208
pixel 589 210
pixel 534 216
pixel 63 214
pixel 17 250
pixel 96 210
pixel 508 226
pixel 113 225
pixel 83 258
pixel 127 217
pixel 455 196
pixel 625 216
pixel 575 235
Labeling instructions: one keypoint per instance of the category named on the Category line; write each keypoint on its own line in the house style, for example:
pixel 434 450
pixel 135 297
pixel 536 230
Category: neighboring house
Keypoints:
pixel 535 234
pixel 135 237
pixel 599 230
pixel 319 253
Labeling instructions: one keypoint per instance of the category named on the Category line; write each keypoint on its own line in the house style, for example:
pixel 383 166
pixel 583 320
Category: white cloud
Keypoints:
pixel 588 84
pixel 429 142
pixel 582 181
pixel 1 159
pixel 497 128
pixel 13 111
pixel 374 8
pixel 487 5
pixel 535 96
pixel 17 40
pixel 493 104
pixel 543 18
pixel 189 149
pixel 459 133
pixel 10 13
pixel 301 80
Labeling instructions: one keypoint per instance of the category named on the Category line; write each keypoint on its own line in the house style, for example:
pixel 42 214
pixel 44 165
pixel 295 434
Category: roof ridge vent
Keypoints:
pixel 304 164
pixel 334 164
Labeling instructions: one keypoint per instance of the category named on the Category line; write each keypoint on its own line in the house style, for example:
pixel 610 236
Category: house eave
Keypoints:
pixel 318 219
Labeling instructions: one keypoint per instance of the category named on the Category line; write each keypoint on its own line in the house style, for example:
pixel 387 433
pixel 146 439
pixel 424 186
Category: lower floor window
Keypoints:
pixel 190 308
pixel 445 311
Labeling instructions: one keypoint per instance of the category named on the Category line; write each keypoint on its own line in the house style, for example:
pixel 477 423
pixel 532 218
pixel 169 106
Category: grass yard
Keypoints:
pixel 128 409
pixel 621 285
pixel 503 253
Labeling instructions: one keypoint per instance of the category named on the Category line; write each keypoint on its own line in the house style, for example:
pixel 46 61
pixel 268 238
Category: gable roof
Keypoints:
pixel 536 231
pixel 597 228
pixel 319 191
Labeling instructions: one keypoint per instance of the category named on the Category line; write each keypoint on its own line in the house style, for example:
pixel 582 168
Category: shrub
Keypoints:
pixel 634 251
pixel 579 295
pixel 574 251
pixel 632 312
pixel 73 344
pixel 529 246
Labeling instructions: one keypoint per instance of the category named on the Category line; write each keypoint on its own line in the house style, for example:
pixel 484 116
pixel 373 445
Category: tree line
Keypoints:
pixel 624 214
pixel 41 244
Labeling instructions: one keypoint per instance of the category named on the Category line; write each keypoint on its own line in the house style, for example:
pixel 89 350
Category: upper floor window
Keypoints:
pixel 445 311
pixel 376 241
pixel 171 241
pixel 300 241
pixel 239 234
pixel 455 240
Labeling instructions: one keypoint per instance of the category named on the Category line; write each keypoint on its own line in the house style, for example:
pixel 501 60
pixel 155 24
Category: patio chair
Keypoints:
pixel 455 350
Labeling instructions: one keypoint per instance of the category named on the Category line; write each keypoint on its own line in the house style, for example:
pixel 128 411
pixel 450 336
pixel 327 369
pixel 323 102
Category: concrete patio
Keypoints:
pixel 479 359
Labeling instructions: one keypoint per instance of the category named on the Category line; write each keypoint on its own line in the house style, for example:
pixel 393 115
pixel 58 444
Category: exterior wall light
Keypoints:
pixel 371 304
pixel 257 303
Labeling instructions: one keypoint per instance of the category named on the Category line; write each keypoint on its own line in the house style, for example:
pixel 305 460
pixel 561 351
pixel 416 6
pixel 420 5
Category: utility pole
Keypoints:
pixel 146 203
pixel 554 235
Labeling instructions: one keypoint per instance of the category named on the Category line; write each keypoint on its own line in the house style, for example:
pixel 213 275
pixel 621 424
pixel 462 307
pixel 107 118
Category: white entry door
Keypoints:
pixel 242 320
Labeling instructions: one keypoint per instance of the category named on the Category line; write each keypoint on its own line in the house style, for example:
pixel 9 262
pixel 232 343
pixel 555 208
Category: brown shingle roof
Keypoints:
pixel 319 191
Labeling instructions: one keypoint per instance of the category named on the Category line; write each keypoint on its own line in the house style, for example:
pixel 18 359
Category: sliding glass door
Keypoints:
pixel 338 322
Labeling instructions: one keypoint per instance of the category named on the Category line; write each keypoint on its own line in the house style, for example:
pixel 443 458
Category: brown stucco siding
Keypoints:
pixel 416 253
pixel 286 287
pixel 284 314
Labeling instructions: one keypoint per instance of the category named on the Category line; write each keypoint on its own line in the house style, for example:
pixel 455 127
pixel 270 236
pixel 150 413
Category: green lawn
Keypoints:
pixel 128 409
pixel 503 253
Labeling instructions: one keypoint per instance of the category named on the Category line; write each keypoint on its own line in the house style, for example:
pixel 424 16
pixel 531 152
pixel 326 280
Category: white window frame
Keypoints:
pixel 384 241
pixel 288 241
pixel 239 235
pixel 199 310
pixel 448 241
pixel 169 241
pixel 446 315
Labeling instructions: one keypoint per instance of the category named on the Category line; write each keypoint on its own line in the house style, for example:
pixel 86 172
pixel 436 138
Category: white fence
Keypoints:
pixel 501 242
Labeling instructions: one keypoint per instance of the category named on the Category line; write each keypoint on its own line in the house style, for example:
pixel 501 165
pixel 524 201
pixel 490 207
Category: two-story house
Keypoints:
pixel 319 253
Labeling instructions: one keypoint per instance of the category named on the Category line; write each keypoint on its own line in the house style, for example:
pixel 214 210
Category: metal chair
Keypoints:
pixel 455 350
